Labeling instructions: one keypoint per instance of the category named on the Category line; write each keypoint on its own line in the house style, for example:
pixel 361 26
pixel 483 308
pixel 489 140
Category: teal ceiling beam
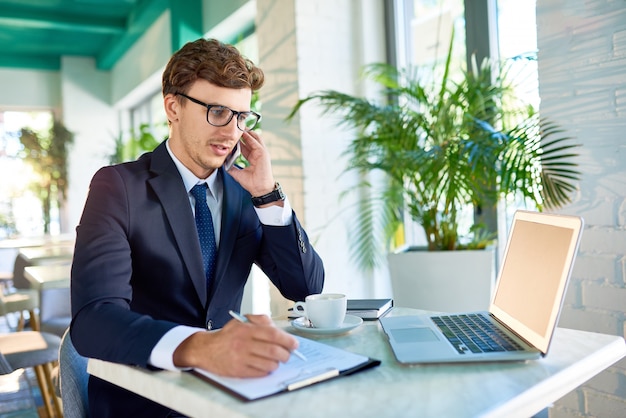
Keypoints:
pixel 37 33
pixel 144 14
pixel 29 19
pixel 186 22
pixel 35 62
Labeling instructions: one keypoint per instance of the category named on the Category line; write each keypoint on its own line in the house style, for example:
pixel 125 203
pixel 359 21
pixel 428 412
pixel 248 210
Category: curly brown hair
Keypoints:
pixel 213 61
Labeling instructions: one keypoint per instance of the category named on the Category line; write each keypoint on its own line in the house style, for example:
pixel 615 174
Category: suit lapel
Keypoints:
pixel 169 188
pixel 231 213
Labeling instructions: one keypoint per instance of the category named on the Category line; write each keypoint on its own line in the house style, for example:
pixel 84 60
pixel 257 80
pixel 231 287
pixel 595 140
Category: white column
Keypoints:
pixel 305 46
pixel 87 113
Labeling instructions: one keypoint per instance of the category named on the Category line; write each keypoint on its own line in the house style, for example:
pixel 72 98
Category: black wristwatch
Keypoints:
pixel 273 196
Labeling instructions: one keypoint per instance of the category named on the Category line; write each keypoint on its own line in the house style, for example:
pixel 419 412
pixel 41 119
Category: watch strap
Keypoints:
pixel 273 196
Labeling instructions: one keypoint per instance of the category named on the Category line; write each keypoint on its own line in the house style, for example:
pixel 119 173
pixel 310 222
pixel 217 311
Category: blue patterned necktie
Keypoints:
pixel 204 224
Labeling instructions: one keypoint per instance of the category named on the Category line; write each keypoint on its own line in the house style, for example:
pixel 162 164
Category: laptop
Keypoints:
pixel 524 309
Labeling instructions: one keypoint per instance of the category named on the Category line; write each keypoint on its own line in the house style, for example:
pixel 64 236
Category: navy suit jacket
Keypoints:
pixel 137 270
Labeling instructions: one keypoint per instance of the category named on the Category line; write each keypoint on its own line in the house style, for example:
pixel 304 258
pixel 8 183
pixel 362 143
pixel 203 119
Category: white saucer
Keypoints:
pixel 349 323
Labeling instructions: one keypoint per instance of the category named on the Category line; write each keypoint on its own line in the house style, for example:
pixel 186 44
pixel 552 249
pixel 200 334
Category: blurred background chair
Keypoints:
pixel 21 350
pixel 19 281
pixel 55 314
pixel 6 280
pixel 7 260
pixel 19 295
pixel 50 254
pixel 17 302
pixel 14 300
pixel 53 283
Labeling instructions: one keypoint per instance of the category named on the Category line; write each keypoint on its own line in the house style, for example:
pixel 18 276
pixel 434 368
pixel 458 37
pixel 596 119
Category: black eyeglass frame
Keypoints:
pixel 232 113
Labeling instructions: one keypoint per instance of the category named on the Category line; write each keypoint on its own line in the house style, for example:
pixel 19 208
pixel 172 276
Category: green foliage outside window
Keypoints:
pixel 47 153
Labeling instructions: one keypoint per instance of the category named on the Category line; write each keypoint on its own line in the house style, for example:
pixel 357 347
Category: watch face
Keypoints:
pixel 279 190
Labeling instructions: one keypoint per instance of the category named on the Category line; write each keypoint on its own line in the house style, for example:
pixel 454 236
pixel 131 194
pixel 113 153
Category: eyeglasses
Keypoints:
pixel 218 115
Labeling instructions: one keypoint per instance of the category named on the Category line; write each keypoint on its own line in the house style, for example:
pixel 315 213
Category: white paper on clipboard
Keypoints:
pixel 323 362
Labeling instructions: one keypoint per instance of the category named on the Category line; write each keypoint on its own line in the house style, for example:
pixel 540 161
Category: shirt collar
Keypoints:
pixel 189 179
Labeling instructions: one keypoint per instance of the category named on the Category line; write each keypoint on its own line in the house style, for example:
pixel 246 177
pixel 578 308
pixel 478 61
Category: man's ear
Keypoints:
pixel 172 107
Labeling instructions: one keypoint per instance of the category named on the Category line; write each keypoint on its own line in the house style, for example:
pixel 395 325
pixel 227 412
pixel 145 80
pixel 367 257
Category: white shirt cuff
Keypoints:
pixel 275 215
pixel 162 355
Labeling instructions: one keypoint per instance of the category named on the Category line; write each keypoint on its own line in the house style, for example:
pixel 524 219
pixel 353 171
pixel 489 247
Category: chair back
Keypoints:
pixel 55 314
pixel 19 300
pixel 73 378
pixel 19 280
pixel 39 350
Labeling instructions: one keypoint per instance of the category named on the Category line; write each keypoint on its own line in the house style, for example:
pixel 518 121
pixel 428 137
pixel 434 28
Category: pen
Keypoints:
pixel 239 317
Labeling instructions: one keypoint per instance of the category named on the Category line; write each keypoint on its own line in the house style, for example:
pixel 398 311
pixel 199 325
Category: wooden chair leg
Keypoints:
pixel 21 322
pixel 43 388
pixel 34 320
pixel 58 409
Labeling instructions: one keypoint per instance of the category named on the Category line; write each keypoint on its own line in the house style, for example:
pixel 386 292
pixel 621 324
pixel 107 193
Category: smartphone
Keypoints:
pixel 232 157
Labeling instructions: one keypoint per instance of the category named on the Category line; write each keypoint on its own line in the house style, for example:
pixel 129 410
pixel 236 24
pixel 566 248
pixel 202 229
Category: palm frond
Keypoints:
pixel 444 144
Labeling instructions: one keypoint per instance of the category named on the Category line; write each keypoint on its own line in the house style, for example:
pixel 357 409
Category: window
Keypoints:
pixel 421 35
pixel 517 41
pixel 21 210
pixel 424 32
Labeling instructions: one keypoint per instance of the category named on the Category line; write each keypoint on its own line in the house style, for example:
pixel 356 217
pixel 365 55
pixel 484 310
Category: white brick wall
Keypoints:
pixel 582 82
pixel 318 45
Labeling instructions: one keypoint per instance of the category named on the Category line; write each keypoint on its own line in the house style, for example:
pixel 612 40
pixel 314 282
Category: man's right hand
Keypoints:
pixel 251 349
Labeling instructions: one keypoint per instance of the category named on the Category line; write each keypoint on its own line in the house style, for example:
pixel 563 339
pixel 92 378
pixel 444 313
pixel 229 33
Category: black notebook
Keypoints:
pixel 369 309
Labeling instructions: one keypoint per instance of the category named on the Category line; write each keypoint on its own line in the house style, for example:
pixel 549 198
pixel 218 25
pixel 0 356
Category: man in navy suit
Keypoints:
pixel 139 291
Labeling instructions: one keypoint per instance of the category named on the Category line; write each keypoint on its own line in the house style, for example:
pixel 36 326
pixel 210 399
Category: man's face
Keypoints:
pixel 200 146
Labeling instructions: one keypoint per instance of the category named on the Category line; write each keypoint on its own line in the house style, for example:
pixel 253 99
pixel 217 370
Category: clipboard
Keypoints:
pixel 324 362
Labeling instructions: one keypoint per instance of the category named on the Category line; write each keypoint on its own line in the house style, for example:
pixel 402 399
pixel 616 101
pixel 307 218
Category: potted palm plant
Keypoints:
pixel 445 144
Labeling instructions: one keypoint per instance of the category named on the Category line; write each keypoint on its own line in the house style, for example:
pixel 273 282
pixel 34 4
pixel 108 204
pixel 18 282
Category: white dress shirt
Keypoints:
pixel 163 353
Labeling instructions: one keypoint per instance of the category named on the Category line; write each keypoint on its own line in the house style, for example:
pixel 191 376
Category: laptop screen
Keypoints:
pixel 534 274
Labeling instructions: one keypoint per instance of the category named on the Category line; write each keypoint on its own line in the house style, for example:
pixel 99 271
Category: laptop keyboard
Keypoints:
pixel 474 333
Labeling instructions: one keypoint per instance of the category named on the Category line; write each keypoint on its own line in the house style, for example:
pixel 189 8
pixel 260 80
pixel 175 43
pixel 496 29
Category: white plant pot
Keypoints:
pixel 445 281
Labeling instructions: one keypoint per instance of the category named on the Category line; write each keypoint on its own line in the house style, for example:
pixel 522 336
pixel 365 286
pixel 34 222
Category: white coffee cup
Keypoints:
pixel 324 310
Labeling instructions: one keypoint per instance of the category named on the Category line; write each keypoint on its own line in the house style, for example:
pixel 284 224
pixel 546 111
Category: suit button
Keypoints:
pixel 301 241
